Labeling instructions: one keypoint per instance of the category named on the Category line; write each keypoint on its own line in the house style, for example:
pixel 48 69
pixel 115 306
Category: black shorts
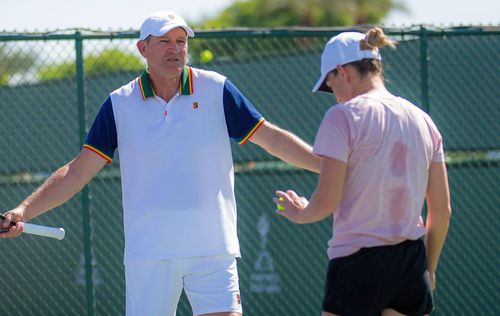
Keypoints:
pixel 376 278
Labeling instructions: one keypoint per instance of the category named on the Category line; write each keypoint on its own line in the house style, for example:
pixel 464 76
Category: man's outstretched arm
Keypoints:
pixel 286 146
pixel 63 184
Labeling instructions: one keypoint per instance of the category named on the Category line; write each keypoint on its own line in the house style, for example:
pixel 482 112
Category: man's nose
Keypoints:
pixel 175 47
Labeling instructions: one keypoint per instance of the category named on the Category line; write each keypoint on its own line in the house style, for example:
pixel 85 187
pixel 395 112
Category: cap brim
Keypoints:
pixel 321 86
pixel 167 28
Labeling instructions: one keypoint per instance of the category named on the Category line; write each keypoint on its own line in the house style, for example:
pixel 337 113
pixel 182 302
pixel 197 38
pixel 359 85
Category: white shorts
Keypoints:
pixel 154 287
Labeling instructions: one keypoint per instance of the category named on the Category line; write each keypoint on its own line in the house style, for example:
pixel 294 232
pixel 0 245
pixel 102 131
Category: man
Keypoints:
pixel 172 127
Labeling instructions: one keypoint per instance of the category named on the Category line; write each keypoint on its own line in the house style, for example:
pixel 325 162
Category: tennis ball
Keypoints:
pixel 206 56
pixel 280 208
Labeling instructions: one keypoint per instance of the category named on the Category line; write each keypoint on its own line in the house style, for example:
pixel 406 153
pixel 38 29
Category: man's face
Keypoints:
pixel 166 53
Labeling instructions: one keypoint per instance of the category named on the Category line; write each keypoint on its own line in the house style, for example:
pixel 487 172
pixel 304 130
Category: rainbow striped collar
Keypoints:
pixel 185 84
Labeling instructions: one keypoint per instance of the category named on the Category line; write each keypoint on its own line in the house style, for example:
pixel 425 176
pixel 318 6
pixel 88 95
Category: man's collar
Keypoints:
pixel 145 85
pixel 185 84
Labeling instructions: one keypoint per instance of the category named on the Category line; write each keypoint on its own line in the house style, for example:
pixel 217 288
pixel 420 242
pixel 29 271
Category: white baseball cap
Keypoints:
pixel 162 22
pixel 340 50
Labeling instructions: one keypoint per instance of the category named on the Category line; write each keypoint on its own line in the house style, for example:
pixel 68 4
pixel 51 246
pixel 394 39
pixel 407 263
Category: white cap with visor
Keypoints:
pixel 340 50
pixel 162 22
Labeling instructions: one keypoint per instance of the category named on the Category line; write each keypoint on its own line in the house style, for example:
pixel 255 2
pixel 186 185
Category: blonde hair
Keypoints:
pixel 376 38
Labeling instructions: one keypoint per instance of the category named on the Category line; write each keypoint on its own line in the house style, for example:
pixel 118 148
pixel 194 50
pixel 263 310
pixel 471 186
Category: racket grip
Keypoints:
pixel 51 232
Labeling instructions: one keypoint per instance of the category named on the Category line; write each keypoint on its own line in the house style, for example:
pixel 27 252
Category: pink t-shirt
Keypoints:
pixel 388 144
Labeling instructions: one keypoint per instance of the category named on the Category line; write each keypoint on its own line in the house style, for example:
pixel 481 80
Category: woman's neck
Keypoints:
pixel 368 83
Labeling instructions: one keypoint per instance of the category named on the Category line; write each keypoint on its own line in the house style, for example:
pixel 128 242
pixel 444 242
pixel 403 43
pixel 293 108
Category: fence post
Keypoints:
pixel 424 75
pixel 87 228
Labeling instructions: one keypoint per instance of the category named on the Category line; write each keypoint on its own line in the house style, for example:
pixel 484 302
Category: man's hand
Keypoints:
pixel 15 215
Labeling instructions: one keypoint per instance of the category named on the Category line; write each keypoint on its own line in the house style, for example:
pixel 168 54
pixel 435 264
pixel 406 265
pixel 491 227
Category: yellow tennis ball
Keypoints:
pixel 280 208
pixel 206 56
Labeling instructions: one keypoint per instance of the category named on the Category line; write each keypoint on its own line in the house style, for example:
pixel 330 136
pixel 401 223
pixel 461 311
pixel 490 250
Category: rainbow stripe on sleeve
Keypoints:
pixel 100 153
pixel 259 123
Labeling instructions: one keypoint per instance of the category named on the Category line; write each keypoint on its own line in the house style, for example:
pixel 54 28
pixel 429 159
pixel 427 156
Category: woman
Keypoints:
pixel 382 156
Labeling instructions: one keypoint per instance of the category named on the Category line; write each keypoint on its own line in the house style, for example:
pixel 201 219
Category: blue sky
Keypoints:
pixel 37 15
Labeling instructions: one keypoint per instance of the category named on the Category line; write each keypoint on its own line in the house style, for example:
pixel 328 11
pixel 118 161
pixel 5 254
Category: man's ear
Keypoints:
pixel 141 46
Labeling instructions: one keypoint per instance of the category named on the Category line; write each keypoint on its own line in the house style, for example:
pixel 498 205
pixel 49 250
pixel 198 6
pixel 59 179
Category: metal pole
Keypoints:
pixel 424 75
pixel 87 227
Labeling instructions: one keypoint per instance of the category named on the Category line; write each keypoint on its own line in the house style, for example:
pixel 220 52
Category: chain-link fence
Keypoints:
pixel 51 86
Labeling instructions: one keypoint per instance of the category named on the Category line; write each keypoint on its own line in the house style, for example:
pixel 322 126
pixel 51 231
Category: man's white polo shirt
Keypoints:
pixel 176 163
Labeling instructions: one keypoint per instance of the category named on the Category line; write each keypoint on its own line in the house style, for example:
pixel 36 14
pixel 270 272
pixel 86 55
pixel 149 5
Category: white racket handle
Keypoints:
pixel 46 231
